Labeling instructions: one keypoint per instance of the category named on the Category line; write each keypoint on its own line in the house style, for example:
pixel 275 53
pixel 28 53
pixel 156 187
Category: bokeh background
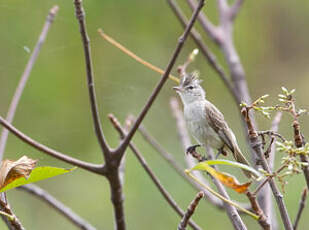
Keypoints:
pixel 272 40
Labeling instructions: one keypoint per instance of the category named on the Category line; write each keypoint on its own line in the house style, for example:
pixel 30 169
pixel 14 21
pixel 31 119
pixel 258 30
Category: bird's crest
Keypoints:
pixel 191 78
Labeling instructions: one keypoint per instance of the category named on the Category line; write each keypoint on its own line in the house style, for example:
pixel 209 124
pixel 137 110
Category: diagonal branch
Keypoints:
pixel 25 76
pixel 120 150
pixel 88 166
pixel 148 170
pixel 57 205
pixel 80 15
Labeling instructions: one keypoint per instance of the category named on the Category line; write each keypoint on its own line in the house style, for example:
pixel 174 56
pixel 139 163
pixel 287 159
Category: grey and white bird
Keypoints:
pixel 205 122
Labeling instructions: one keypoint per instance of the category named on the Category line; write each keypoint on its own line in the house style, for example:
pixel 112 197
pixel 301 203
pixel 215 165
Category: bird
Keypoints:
pixel 205 122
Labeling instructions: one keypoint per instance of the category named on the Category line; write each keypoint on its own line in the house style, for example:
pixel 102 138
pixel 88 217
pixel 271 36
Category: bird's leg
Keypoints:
pixel 221 151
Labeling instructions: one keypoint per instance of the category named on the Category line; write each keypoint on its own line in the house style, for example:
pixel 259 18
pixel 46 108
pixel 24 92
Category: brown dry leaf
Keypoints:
pixel 12 170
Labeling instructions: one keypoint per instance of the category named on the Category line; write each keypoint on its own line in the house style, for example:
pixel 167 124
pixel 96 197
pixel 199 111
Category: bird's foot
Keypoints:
pixel 221 151
pixel 191 149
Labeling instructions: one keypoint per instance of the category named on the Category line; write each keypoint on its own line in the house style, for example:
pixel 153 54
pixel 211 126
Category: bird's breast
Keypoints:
pixel 199 127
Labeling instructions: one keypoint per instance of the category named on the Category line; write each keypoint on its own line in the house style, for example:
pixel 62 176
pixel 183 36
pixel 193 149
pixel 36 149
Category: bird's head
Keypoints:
pixel 190 89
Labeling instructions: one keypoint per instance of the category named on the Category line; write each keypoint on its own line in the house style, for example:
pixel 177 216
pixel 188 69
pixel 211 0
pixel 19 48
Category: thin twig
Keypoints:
pixel 190 210
pixel 302 205
pixel 25 76
pixel 73 161
pixel 80 15
pixel 150 173
pixel 120 150
pixel 14 221
pixel 257 147
pixel 57 205
pixel 134 56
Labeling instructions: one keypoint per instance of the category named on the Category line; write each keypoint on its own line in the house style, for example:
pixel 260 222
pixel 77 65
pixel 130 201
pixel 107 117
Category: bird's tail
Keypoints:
pixel 239 157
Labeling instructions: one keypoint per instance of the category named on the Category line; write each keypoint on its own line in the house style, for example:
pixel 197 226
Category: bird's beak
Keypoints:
pixel 177 88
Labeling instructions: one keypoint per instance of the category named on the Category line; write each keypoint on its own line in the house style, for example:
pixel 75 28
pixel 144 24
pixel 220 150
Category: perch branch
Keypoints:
pixel 190 211
pixel 25 76
pixel 181 40
pixel 57 205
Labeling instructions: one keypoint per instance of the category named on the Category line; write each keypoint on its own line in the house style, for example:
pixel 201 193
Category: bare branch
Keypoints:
pixel 14 222
pixel 257 147
pixel 24 78
pixel 302 205
pixel 88 166
pixel 190 210
pixel 80 15
pixel 57 205
pixel 148 170
pixel 181 40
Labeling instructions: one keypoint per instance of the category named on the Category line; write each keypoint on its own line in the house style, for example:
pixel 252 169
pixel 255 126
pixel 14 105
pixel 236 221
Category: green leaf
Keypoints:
pixel 201 166
pixel 37 174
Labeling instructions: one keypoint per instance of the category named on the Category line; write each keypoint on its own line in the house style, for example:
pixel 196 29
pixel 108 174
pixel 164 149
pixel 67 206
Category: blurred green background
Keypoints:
pixel 273 44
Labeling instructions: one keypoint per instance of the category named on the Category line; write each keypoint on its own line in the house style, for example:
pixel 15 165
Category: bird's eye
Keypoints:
pixel 190 87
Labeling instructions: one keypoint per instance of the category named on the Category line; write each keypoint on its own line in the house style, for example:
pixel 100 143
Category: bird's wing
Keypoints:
pixel 216 121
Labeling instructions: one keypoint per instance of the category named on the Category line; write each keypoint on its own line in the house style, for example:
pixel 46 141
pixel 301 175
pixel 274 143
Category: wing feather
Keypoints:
pixel 216 121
